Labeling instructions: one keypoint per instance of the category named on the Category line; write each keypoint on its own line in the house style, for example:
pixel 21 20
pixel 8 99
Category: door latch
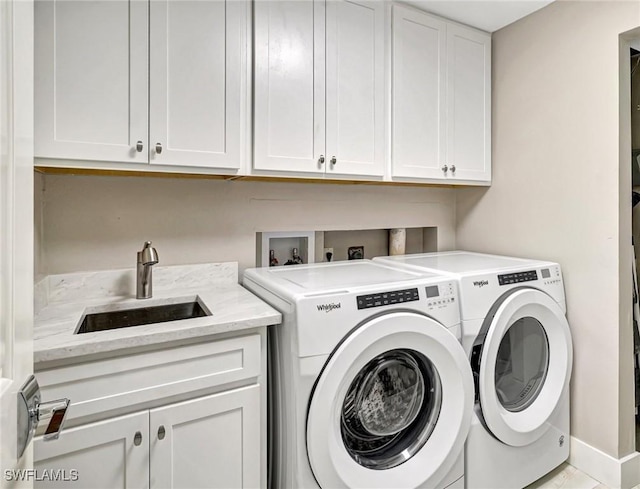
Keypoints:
pixel 31 411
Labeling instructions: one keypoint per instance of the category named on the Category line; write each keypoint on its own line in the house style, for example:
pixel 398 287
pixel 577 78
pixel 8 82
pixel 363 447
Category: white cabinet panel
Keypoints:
pixel 99 455
pixel 469 103
pixel 418 105
pixel 355 87
pixel 210 442
pixel 289 85
pixel 196 50
pixel 91 79
pixel 112 384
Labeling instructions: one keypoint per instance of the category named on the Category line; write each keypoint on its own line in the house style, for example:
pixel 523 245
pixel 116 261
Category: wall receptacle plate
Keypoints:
pixel 355 253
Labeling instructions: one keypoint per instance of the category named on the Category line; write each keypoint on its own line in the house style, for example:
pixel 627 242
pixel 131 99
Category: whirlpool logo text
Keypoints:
pixel 480 283
pixel 328 307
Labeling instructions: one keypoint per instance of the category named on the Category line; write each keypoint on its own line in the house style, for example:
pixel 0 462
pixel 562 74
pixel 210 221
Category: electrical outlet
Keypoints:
pixel 327 254
pixel 355 253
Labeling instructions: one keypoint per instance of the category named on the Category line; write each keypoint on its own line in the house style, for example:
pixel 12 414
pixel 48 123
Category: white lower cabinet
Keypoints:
pixel 191 416
pixel 97 455
pixel 210 442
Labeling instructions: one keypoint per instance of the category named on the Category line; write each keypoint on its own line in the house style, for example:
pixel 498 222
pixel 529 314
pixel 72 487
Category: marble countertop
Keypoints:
pixel 63 300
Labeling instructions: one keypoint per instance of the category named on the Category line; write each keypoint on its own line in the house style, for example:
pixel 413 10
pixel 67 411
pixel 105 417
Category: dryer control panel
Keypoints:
pixel 515 278
pixel 387 298
pixel 433 295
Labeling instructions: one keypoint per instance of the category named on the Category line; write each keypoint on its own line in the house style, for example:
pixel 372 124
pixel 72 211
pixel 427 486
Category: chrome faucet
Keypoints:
pixel 146 258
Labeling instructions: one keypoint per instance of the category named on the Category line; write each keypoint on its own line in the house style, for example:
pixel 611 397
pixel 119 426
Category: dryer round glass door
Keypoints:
pixel 522 364
pixel 392 406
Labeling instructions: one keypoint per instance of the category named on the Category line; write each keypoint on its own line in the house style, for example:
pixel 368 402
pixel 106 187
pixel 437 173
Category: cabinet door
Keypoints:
pixel 197 50
pixel 99 455
pixel 91 79
pixel 418 101
pixel 468 103
pixel 289 91
pixel 355 87
pixel 210 442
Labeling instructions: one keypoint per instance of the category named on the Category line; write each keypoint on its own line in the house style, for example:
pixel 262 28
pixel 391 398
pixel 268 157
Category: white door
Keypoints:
pixel 210 442
pixel 355 87
pixel 16 225
pixel 522 360
pixel 468 103
pixel 392 406
pixel 418 101
pixel 197 55
pixel 111 454
pixel 289 86
pixel 91 88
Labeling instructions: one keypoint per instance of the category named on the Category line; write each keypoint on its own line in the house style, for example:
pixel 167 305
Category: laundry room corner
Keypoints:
pixel 557 194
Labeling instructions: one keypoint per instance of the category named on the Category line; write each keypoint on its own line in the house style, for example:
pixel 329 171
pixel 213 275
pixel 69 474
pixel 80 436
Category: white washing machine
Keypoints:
pixel 369 385
pixel 518 341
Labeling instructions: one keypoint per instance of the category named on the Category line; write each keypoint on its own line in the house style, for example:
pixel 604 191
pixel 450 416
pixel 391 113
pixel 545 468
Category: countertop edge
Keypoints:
pixel 121 346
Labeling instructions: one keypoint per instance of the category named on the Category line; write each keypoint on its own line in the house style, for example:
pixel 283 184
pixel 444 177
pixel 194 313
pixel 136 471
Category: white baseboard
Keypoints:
pixel 616 473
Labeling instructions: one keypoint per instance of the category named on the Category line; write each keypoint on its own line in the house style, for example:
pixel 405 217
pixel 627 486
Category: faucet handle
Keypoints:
pixel 148 255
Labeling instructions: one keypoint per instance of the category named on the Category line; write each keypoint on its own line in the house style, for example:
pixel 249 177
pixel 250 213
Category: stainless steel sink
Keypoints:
pixel 102 321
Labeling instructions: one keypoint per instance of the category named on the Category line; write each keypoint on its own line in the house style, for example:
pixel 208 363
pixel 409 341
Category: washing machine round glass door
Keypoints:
pixel 391 407
pixel 522 363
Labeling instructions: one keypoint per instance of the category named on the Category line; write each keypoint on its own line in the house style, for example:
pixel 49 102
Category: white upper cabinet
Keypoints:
pixel 289 117
pixel 469 103
pixel 418 104
pixel 196 55
pixel 91 87
pixel 168 83
pixel 441 99
pixel 355 87
pixel 319 87
pixel 141 81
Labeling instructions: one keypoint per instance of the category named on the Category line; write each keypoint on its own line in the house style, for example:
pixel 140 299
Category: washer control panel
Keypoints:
pixel 515 278
pixel 551 276
pixel 440 295
pixel 387 298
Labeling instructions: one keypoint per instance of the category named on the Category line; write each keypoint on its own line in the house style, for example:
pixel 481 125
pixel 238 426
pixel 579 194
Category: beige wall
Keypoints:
pixel 94 223
pixel 555 192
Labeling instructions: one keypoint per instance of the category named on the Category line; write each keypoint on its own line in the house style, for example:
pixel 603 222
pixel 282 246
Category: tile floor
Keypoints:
pixel 567 477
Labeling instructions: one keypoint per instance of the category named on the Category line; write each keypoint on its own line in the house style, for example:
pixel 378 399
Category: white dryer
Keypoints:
pixel 519 345
pixel 369 385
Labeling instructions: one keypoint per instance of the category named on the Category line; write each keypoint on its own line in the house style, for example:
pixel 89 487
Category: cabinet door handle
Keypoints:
pixel 31 411
pixel 453 168
pixel 445 168
pixel 158 148
pixel 139 146
pixel 161 432
pixel 333 160
pixel 321 160
pixel 137 439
